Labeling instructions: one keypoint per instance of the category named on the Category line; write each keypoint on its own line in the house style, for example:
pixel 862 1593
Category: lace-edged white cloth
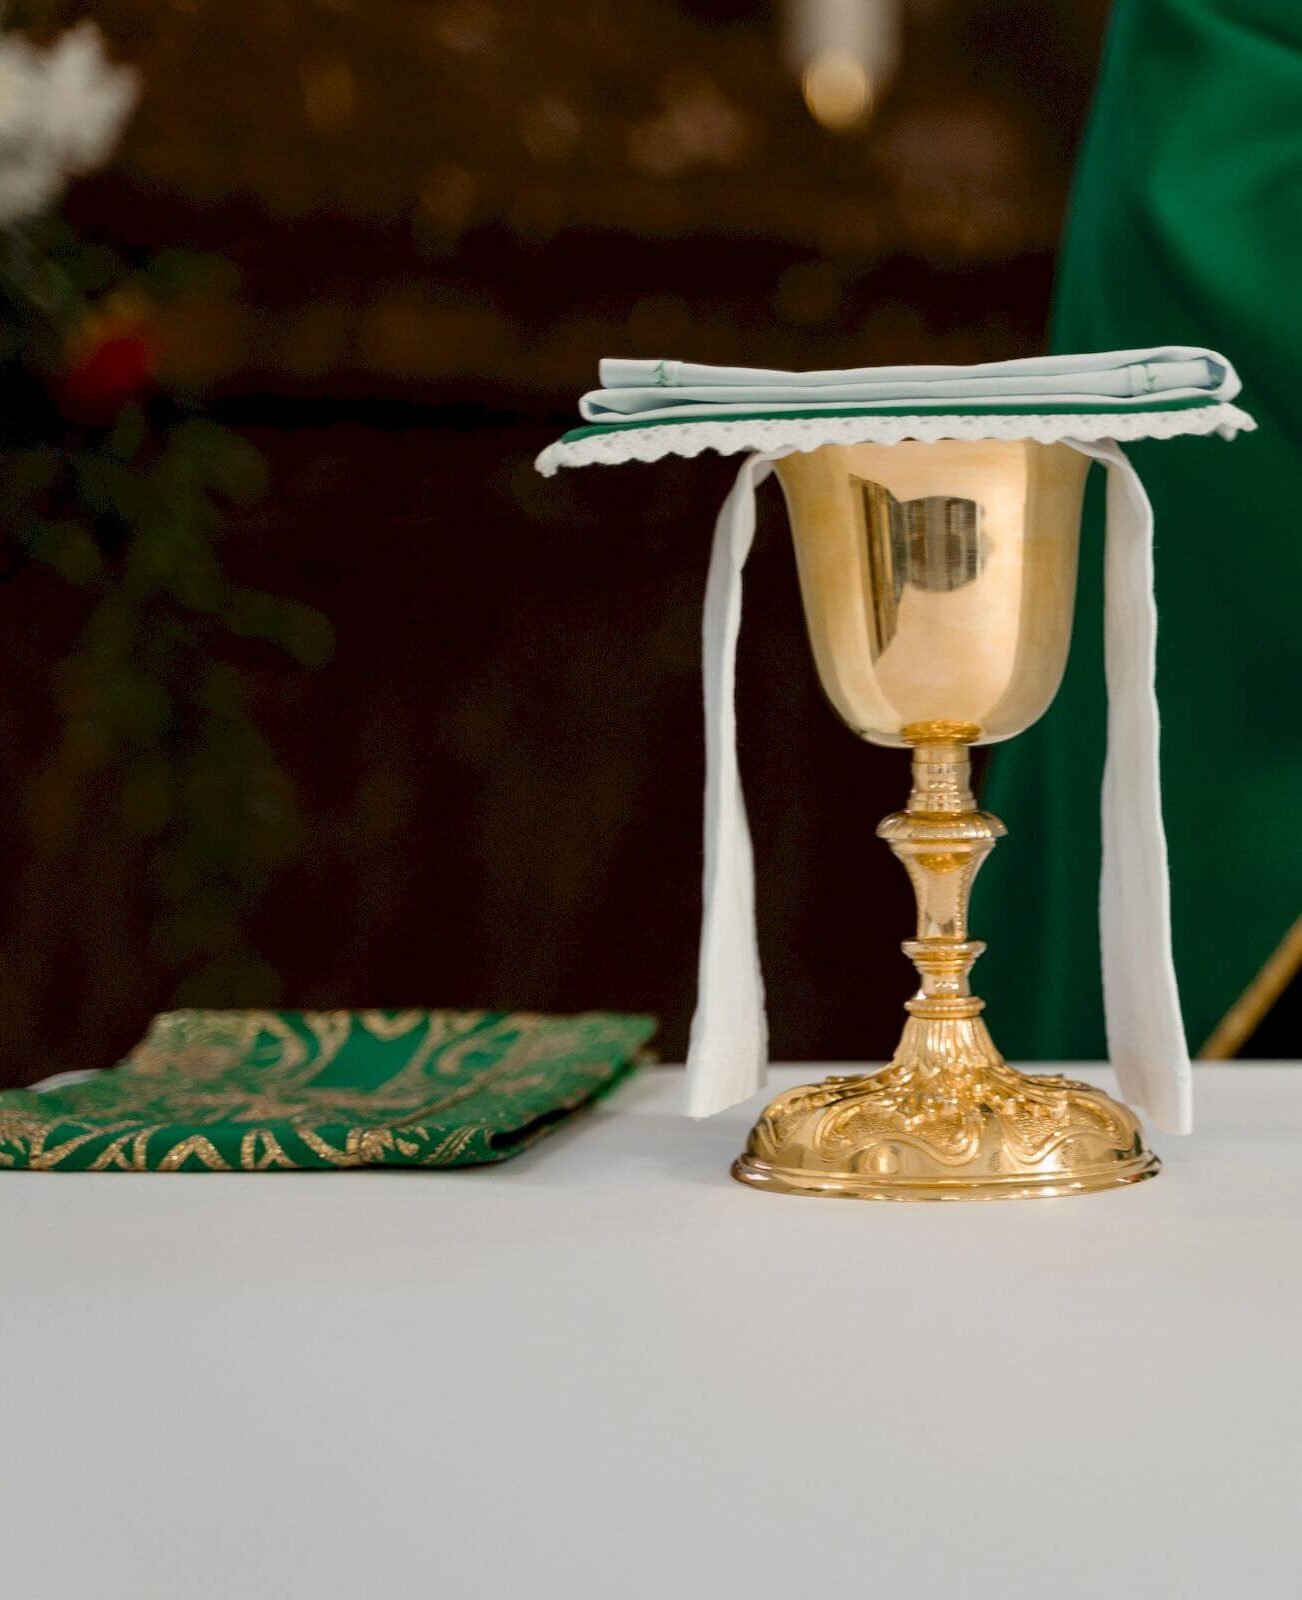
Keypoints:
pixel 654 441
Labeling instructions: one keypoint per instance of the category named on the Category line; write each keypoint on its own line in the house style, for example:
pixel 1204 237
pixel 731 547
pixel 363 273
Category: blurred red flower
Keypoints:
pixel 112 362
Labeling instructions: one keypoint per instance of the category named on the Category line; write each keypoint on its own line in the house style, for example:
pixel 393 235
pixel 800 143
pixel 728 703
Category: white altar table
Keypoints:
pixel 606 1372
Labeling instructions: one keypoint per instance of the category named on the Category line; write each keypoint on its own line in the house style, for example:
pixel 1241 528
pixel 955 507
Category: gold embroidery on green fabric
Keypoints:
pixel 272 1154
pixel 384 1026
pixel 451 1147
pixel 259 1091
pixel 196 1145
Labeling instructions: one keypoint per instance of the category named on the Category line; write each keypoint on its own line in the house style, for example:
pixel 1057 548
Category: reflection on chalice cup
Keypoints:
pixel 938 584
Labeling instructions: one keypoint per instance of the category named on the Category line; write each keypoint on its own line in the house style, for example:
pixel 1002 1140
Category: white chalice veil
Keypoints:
pixel 646 410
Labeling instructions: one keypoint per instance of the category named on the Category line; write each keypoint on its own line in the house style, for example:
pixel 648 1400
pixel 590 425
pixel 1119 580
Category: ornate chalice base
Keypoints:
pixel 948 1119
pixel 982 1131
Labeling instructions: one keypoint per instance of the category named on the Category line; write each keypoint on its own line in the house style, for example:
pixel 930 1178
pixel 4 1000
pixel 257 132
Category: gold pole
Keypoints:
pixel 1245 1016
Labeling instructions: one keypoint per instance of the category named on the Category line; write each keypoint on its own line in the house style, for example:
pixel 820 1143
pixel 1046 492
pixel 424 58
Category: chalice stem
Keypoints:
pixel 942 839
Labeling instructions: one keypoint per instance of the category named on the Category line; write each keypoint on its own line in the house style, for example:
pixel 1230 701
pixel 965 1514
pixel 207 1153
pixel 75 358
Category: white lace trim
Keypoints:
pixel 807 433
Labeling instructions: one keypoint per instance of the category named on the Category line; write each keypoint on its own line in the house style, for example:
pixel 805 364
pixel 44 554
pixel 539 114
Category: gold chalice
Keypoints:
pixel 938 584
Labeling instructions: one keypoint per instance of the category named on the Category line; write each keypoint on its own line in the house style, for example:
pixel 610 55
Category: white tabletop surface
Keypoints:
pixel 606 1370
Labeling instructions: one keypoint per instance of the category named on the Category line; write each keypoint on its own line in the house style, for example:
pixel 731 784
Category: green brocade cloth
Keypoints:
pixel 263 1091
pixel 1186 221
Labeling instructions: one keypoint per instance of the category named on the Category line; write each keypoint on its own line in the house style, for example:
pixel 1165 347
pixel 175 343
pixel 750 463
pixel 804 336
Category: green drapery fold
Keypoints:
pixel 258 1091
pixel 1186 223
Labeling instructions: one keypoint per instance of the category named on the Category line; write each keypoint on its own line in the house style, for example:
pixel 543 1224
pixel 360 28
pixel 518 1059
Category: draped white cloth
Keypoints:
pixel 1157 393
pixel 1146 1040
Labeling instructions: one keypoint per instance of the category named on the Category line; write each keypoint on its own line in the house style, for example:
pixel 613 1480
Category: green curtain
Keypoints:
pixel 1185 227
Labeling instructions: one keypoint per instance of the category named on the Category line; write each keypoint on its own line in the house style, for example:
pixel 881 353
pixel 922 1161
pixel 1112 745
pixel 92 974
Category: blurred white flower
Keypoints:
pixel 61 112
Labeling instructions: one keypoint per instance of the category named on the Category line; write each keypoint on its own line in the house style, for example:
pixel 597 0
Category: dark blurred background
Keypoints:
pixel 418 224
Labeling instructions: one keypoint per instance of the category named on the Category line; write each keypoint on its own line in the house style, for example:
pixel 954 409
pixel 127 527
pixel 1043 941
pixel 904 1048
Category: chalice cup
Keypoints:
pixel 938 583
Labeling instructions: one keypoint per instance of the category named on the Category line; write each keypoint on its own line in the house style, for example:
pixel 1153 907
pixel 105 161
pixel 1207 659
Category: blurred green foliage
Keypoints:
pixel 123 489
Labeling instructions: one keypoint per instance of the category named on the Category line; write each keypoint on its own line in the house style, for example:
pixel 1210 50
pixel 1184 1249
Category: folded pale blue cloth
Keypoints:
pixel 1161 377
